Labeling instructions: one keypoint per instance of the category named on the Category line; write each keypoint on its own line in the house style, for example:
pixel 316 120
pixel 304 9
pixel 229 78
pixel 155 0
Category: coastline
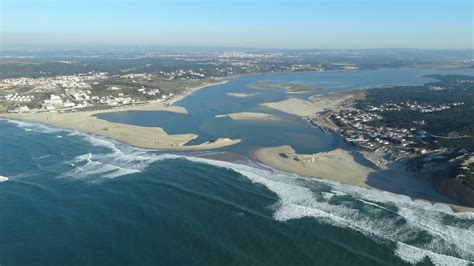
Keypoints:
pixel 142 137
pixel 323 165
pixel 190 91
pixel 346 164
pixel 326 165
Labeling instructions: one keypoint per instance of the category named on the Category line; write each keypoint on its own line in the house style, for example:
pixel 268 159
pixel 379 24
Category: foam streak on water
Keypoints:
pixel 297 201
pixel 382 216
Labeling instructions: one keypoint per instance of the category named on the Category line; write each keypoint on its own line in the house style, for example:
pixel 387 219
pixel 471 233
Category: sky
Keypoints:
pixel 432 24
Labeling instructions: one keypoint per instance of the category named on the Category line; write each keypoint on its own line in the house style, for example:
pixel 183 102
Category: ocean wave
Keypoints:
pixel 34 127
pixel 414 255
pixel 118 160
pixel 92 169
pixel 382 216
pixel 375 218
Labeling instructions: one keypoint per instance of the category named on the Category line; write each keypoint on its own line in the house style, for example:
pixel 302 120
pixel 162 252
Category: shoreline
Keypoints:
pixel 138 136
pixel 346 164
pixel 190 91
pixel 328 166
pixel 322 166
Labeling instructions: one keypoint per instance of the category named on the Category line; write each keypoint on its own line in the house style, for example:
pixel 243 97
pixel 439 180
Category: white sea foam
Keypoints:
pixel 3 178
pixel 297 201
pixel 301 197
pixel 119 160
pixel 35 127
pixel 93 169
pixel 414 255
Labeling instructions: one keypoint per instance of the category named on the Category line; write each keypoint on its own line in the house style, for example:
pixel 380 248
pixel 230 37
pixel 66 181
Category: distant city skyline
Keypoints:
pixel 298 24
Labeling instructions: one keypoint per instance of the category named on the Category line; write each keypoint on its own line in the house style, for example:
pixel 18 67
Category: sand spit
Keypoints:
pixel 337 165
pixel 315 104
pixel 143 137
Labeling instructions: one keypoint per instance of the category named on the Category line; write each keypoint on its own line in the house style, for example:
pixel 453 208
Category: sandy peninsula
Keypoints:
pixel 325 165
pixel 341 165
pixel 251 116
pixel 241 95
pixel 295 106
pixel 315 104
pixel 143 137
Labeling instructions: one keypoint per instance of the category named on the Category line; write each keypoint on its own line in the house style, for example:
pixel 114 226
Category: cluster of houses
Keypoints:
pixel 414 106
pixel 369 137
pixel 145 76
pixel 18 98
pixel 55 102
pixel 182 74
pixel 71 81
pixel 149 92
pixel 111 100
pixel 357 116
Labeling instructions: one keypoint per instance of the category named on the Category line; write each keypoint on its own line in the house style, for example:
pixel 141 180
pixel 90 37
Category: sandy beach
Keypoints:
pixel 344 166
pixel 326 165
pixel 143 137
pixel 251 116
pixel 315 104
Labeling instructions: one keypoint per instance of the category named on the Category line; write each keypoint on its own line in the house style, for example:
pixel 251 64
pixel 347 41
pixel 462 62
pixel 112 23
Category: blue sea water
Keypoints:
pixel 78 199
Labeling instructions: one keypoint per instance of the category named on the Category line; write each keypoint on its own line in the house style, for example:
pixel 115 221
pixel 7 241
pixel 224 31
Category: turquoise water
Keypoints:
pixel 79 199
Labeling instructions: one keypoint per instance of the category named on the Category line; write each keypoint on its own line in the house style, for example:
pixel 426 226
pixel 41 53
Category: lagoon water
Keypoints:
pixel 204 105
pixel 77 199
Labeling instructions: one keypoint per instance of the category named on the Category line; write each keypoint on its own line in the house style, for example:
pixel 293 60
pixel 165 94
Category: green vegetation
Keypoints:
pixel 450 128
pixel 293 88
pixel 444 109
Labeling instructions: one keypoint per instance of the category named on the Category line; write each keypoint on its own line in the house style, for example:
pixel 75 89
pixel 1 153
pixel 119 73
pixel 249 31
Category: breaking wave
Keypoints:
pixel 383 216
pixel 416 229
pixel 35 127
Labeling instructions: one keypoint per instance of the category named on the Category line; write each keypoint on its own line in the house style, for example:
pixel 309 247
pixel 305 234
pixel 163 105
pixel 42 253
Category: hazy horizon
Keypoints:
pixel 264 24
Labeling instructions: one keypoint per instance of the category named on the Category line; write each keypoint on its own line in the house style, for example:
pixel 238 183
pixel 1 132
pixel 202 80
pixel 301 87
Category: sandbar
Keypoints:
pixel 251 116
pixel 143 137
